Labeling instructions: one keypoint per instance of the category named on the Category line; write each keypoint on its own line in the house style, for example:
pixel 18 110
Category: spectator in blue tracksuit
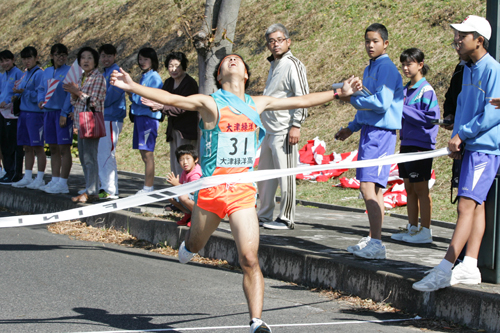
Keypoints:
pixel 476 141
pixel 30 122
pixel 58 126
pixel 114 113
pixel 378 117
pixel 146 122
pixel 12 153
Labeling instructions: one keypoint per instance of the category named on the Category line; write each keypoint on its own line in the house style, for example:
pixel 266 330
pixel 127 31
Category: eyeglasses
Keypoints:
pixel 276 41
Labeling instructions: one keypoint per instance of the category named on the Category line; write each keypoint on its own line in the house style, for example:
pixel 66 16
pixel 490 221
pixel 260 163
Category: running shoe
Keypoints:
pixel 258 326
pixel 2 172
pixel 372 250
pixel 103 195
pixel 279 224
pixel 36 184
pixel 9 179
pixel 23 182
pixel 361 244
pixel 435 279
pixel 185 220
pixel 409 230
pixel 143 191
pixel 422 236
pixel 184 255
pixel 58 188
pixel 49 184
pixel 465 275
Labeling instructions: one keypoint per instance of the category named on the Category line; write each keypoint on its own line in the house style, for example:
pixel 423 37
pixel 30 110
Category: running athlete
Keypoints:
pixel 229 122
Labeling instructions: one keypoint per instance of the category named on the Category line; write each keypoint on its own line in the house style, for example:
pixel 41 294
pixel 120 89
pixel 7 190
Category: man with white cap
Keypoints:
pixel 475 140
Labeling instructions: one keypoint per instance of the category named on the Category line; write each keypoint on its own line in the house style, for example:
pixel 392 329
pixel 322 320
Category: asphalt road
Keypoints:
pixel 50 283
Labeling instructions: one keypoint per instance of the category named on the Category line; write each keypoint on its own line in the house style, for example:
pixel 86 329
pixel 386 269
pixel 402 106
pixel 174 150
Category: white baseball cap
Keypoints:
pixel 473 23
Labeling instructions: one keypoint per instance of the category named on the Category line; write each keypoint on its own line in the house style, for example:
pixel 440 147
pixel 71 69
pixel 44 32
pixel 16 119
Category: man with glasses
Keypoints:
pixel 287 78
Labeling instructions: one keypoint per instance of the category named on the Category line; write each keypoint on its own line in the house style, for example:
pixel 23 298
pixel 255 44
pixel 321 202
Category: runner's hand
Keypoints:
pixel 122 80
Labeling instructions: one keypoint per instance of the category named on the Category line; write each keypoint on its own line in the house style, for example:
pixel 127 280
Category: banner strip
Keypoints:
pixel 171 192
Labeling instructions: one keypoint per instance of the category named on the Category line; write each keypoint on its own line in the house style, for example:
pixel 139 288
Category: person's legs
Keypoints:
pixel 186 202
pixel 412 203
pixel 108 171
pixel 267 188
pixel 66 161
pixel 41 158
pixel 55 160
pixel 425 202
pixel 287 158
pixel 245 230
pixel 374 202
pixel 148 158
pixel 29 158
pixel 203 224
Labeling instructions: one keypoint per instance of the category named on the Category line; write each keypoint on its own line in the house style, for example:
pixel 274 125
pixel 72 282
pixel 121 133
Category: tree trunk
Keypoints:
pixel 213 41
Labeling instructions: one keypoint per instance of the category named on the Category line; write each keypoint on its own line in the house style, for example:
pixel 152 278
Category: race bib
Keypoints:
pixel 236 150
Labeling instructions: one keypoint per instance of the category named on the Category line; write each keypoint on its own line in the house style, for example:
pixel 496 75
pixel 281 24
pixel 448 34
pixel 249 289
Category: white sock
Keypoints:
pixel 55 180
pixel 445 266
pixel 470 262
pixel 376 241
pixel 40 175
pixel 148 188
pixel 63 181
pixel 28 174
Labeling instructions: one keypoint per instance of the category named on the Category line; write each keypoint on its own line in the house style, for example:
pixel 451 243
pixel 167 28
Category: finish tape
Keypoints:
pixel 171 192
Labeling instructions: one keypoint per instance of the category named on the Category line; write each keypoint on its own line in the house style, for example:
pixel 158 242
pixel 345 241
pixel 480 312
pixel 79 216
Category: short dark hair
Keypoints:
pixel 486 42
pixel 29 52
pixel 107 49
pixel 380 28
pixel 148 52
pixel 177 56
pixel 186 150
pixel 6 55
pixel 216 72
pixel 58 48
pixel 95 55
pixel 415 55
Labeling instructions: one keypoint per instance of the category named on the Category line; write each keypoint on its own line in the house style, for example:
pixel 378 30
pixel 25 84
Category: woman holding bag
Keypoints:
pixel 88 95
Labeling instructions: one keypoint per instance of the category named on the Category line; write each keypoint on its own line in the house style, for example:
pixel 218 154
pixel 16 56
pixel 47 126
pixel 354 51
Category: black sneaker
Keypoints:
pixel 8 179
pixel 258 326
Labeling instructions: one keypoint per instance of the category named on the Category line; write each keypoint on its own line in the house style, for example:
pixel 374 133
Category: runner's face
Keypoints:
pixel 175 69
pixel 107 59
pixel 144 63
pixel 374 44
pixel 7 64
pixel 278 44
pixel 187 162
pixel 233 65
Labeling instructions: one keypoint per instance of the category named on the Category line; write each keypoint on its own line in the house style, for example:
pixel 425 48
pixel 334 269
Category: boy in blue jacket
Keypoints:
pixel 475 134
pixel 378 118
pixel 114 112
pixel 12 153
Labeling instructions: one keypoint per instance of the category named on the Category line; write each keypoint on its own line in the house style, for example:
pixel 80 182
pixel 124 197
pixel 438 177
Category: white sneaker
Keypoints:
pixel 22 183
pixel 184 255
pixel 36 184
pixel 279 224
pixel 435 279
pixel 409 230
pixel 361 244
pixel 46 186
pixel 372 250
pixel 422 236
pixel 143 191
pixel 258 326
pixel 2 172
pixel 465 275
pixel 58 188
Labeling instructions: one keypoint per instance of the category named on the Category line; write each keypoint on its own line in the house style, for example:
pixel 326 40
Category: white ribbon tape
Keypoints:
pixel 171 192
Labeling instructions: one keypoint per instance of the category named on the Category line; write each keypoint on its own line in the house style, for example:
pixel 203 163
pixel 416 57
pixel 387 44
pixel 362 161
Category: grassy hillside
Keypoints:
pixel 326 35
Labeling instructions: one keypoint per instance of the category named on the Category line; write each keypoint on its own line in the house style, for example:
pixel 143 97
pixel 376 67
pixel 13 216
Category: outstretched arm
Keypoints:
pixel 264 103
pixel 202 103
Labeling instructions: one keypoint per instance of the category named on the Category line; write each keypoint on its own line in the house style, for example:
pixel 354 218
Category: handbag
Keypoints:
pixel 91 123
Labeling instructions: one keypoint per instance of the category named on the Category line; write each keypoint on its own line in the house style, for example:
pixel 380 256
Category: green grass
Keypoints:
pixel 327 36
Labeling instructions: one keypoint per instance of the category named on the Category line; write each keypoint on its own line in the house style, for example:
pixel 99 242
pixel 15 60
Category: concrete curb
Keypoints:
pixel 473 307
